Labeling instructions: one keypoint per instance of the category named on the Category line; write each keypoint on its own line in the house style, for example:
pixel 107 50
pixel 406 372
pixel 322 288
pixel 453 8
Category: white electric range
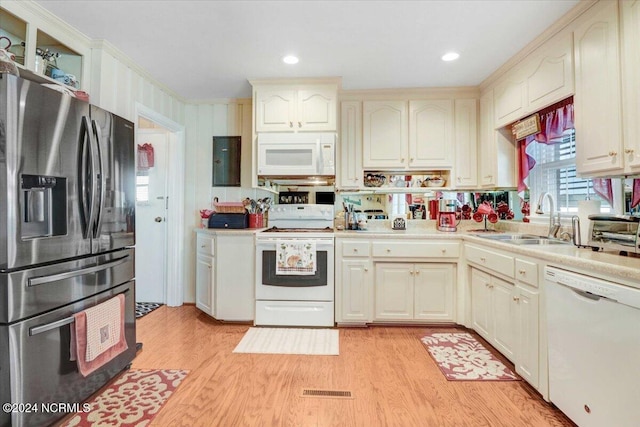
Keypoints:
pixel 291 298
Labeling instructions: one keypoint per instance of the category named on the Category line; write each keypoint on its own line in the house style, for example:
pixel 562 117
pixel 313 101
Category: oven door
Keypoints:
pixel 317 287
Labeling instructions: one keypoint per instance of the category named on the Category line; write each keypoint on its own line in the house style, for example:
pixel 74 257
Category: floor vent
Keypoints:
pixel 331 394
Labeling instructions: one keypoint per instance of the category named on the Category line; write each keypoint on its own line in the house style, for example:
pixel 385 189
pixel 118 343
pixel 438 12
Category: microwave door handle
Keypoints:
pixel 100 203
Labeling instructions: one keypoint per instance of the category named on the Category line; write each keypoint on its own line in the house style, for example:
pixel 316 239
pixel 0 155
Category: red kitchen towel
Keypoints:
pixel 635 196
pixel 98 335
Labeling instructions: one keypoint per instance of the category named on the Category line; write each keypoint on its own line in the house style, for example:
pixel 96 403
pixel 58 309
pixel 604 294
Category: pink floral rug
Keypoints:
pixel 133 400
pixel 461 357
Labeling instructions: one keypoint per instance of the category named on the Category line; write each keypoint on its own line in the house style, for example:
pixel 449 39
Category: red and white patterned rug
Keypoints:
pixel 134 399
pixel 461 357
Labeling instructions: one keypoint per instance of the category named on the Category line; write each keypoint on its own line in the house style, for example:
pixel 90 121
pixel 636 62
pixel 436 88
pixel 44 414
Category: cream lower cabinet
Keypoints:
pixel 419 291
pixel 492 312
pixel 375 284
pixel 205 274
pixel 505 307
pixel 225 279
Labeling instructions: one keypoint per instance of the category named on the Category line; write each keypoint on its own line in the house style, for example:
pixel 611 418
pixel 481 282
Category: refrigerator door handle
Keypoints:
pixel 101 181
pixel 41 280
pixel 85 203
pixel 94 180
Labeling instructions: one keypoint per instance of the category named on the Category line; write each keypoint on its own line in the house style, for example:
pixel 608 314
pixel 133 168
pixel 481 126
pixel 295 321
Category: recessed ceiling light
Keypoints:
pixel 450 56
pixel 290 59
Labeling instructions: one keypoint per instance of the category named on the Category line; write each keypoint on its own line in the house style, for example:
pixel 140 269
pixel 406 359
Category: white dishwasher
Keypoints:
pixel 594 349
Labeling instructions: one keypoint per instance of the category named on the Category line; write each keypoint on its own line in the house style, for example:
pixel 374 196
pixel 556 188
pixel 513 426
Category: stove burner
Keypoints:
pixel 298 230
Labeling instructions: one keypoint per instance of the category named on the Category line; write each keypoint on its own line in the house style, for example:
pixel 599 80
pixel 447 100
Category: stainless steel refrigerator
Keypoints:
pixel 67 218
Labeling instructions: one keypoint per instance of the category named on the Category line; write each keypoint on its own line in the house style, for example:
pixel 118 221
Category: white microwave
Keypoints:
pixel 296 154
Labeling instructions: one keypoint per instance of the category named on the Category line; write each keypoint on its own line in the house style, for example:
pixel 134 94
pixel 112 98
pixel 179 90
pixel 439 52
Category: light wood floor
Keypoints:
pixel 394 380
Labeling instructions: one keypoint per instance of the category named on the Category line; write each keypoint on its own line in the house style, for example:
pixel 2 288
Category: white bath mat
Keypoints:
pixel 290 341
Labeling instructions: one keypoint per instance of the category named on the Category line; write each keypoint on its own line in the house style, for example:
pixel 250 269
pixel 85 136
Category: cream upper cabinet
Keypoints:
pixel 431 134
pixel 299 108
pixel 549 72
pixel 497 159
pixel 597 100
pixel 384 134
pixel 510 98
pixel 545 76
pixel 466 143
pixel 631 83
pixel 487 147
pixel 417 134
pixel 350 160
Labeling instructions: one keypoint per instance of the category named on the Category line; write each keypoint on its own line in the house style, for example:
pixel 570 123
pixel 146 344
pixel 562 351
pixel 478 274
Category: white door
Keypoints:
pixel 151 219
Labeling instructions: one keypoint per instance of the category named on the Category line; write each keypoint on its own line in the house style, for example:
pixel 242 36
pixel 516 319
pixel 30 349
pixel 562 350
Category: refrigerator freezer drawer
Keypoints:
pixel 36 366
pixel 29 292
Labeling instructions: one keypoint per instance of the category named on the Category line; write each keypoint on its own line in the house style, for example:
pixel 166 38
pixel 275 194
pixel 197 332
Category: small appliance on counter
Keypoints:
pixel 615 233
pixel 229 220
pixel 446 219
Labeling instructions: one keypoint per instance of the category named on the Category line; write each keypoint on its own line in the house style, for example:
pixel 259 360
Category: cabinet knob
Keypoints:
pixel 290 124
pixel 203 246
pixel 459 179
pixel 516 299
pixel 612 153
pixel 629 150
pixel 483 259
pixel 417 271
pixel 411 160
pixel 444 251
pixel 388 250
pixel 299 124
pixel 411 272
pixel 490 286
pixel 355 250
pixel 366 269
pixel 402 160
pixel 209 267
pixel 522 272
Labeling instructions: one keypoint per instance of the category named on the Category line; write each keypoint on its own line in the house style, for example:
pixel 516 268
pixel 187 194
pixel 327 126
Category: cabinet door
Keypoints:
pixel 431 134
pixel 597 99
pixel 510 98
pixel 234 290
pixel 316 109
pixel 204 284
pixel 466 143
pixel 433 292
pixel 527 360
pixel 394 291
pixel 384 134
pixel 487 147
pixel 275 110
pixel 355 291
pixel 350 145
pixel 503 310
pixel 631 83
pixel 481 302
pixel 550 72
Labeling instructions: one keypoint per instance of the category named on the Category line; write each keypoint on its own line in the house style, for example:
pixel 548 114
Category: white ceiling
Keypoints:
pixel 208 49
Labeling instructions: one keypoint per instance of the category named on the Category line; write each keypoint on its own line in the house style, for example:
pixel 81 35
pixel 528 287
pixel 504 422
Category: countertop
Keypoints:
pixel 569 256
pixel 228 231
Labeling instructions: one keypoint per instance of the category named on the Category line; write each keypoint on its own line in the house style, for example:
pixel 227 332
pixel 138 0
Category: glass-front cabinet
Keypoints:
pixel 13 35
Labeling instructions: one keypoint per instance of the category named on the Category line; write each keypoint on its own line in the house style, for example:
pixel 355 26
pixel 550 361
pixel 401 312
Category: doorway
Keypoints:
pixel 159 213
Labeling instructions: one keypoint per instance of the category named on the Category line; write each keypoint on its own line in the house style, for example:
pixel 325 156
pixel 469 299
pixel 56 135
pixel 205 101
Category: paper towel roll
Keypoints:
pixel 586 208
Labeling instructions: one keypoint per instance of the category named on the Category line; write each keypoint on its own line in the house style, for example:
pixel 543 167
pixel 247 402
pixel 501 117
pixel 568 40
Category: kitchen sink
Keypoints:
pixel 524 239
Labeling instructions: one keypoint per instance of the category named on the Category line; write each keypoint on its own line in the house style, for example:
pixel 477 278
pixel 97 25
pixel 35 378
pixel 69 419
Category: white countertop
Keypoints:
pixel 229 231
pixel 626 268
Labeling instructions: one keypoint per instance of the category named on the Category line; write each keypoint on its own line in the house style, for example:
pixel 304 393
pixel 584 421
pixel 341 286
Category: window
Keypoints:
pixel 142 188
pixel 555 173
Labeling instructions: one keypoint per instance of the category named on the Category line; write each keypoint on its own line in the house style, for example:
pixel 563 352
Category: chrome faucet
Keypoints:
pixel 554 224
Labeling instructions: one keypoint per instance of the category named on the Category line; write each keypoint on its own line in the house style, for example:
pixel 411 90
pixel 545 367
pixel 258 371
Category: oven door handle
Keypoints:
pixel 41 280
pixel 58 323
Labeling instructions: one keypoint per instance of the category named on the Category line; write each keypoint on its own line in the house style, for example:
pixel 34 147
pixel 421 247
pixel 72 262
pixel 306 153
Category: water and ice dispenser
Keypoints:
pixel 44 206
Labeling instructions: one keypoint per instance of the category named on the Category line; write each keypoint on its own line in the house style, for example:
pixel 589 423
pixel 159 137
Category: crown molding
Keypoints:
pixel 551 31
